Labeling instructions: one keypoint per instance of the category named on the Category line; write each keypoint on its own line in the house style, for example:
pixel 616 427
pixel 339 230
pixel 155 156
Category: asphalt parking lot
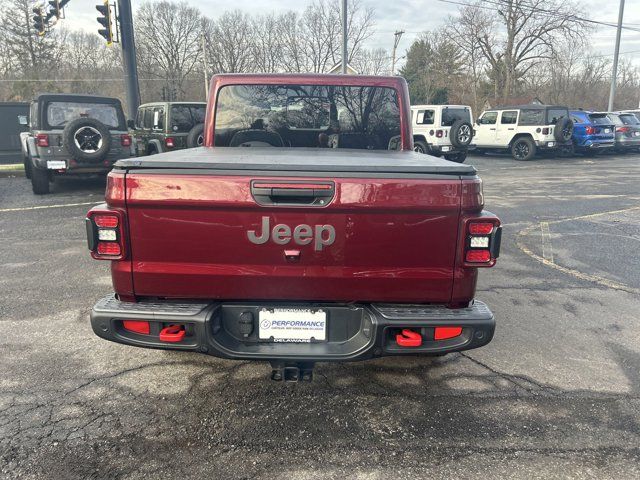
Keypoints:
pixel 556 394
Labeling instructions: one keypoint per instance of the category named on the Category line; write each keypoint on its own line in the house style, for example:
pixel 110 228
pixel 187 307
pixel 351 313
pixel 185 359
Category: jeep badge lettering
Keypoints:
pixel 321 235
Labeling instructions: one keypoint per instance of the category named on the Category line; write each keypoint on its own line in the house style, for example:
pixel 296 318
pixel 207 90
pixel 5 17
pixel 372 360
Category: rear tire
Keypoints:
pixel 420 146
pixel 523 149
pixel 27 167
pixel 196 136
pixel 40 181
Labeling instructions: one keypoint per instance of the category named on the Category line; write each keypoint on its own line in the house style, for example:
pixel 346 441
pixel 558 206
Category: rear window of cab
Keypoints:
pixel 322 116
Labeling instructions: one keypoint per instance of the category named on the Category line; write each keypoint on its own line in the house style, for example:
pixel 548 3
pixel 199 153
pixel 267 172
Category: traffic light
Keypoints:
pixel 105 20
pixel 39 21
pixel 55 9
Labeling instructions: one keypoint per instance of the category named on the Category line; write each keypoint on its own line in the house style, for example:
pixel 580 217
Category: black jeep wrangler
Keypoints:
pixel 74 134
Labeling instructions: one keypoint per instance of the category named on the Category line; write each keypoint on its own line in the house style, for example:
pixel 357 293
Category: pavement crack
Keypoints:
pixel 514 379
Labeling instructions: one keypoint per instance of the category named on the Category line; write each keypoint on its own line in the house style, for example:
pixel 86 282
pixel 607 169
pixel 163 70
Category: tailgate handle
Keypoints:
pixel 292 193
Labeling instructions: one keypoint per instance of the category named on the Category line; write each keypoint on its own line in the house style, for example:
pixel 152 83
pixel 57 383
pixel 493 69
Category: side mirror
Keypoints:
pixel 131 124
pixel 23 120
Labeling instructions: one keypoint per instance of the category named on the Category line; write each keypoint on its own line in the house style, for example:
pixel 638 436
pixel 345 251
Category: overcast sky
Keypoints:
pixel 413 16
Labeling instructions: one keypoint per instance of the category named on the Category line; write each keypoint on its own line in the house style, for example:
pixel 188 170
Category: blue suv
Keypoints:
pixel 592 131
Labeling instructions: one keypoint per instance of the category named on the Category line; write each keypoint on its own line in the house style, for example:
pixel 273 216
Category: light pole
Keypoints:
pixel 614 74
pixel 344 37
pixel 129 57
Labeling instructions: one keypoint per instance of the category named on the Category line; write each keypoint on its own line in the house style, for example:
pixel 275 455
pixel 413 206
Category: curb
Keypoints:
pixel 13 170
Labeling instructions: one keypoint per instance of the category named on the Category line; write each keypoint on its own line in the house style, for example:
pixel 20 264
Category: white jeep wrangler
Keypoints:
pixel 524 130
pixel 442 130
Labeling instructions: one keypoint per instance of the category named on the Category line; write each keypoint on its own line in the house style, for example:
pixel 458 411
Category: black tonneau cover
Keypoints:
pixel 299 160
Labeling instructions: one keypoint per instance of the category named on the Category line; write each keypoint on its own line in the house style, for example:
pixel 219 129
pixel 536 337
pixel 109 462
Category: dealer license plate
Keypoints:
pixel 607 130
pixel 56 164
pixel 295 325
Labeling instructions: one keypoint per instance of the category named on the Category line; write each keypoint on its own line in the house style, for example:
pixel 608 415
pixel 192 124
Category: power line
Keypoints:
pixel 530 8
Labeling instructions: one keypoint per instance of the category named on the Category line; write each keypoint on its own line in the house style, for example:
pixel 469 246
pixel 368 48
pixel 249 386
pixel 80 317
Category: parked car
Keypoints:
pixel 321 244
pixel 592 132
pixel 635 112
pixel 442 130
pixel 74 134
pixel 523 130
pixel 163 126
pixel 627 131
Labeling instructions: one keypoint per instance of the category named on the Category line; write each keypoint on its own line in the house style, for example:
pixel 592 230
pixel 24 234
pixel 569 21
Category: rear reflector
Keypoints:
pixel 136 326
pixel 442 333
pixel 108 248
pixel 105 221
pixel 478 256
pixel 480 228
pixel 42 139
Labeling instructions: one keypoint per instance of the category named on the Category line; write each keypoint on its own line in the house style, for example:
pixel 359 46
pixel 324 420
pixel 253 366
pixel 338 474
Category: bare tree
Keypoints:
pixel 27 55
pixel 311 41
pixel 267 45
pixel 523 33
pixel 372 62
pixel 168 38
pixel 230 42
pixel 465 31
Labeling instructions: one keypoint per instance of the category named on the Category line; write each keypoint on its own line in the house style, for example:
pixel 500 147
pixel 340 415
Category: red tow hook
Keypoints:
pixel 172 333
pixel 409 338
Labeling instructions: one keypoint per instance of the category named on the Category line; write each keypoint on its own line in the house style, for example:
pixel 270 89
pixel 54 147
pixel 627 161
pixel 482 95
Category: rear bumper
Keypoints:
pixel 595 145
pixel 354 332
pixel 449 149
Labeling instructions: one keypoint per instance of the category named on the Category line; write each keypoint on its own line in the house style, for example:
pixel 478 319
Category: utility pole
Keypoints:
pixel 614 75
pixel 344 37
pixel 396 41
pixel 129 57
pixel 205 64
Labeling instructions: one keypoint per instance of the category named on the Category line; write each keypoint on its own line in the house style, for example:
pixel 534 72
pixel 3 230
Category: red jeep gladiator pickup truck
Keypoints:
pixel 305 230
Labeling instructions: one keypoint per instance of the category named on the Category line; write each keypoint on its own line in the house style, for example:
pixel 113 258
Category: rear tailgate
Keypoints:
pixel 369 237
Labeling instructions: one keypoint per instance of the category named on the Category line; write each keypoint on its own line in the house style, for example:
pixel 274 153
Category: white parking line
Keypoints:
pixel 605 282
pixel 42 207
pixel 547 249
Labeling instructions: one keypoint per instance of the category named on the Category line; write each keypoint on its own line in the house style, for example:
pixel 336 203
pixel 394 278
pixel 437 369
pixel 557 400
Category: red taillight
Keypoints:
pixel 439 133
pixel 125 140
pixel 545 131
pixel 105 233
pixel 590 130
pixel 170 142
pixel 42 140
pixel 106 221
pixel 478 256
pixel 109 248
pixel 623 129
pixel 480 228
pixel 442 333
pixel 136 326
pixel 482 239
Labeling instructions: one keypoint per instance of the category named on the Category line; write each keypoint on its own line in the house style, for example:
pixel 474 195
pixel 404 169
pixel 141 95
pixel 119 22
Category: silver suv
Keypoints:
pixel 74 134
